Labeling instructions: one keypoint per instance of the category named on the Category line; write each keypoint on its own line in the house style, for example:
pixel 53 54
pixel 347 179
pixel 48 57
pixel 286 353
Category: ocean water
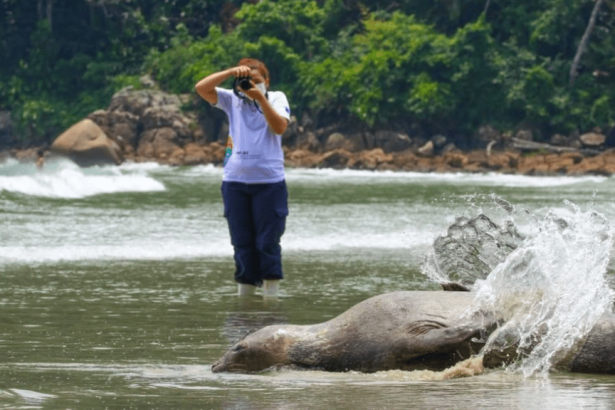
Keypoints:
pixel 116 286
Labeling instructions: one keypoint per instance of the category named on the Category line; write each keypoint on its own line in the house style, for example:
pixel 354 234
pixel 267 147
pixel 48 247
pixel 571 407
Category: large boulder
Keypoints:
pixel 137 101
pixel 86 144
pixel 121 126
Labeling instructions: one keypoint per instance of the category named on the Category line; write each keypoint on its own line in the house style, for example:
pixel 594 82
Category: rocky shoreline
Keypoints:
pixel 151 126
pixel 477 161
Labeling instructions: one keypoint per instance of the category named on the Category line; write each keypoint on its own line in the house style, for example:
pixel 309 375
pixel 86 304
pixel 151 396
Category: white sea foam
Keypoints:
pixel 64 179
pixel 141 251
pixel 213 245
pixel 326 175
pixel 32 396
pixel 486 179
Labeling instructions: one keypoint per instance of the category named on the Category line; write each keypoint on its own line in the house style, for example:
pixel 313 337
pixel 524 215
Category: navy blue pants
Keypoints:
pixel 256 215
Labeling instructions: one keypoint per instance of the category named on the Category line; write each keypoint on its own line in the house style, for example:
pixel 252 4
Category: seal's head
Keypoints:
pixel 257 351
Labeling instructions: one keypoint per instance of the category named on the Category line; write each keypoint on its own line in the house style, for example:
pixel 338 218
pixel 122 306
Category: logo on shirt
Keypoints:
pixel 287 110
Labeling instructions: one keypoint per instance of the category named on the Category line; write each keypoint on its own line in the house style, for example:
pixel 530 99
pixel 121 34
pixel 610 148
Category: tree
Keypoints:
pixel 584 42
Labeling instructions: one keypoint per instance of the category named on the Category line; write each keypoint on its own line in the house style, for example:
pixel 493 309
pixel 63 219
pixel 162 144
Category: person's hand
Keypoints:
pixel 253 92
pixel 241 71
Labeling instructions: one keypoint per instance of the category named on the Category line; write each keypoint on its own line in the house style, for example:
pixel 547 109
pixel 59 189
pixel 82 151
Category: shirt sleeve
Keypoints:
pixel 280 104
pixel 225 99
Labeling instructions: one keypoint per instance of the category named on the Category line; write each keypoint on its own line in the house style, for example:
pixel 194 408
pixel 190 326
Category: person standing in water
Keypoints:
pixel 253 187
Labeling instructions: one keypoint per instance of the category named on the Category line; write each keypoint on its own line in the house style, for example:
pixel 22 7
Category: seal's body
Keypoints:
pixel 406 331
pixel 399 330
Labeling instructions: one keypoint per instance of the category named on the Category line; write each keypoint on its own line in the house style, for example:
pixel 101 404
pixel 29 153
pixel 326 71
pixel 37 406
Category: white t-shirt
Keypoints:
pixel 253 152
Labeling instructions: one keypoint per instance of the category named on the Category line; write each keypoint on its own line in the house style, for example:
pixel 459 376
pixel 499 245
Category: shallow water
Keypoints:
pixel 116 286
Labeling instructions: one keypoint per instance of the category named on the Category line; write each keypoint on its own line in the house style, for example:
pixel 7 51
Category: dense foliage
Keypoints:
pixel 447 66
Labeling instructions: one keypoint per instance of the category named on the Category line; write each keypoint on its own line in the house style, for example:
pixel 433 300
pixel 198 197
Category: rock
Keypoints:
pixel 177 157
pixel 306 120
pixel 355 142
pixel 455 160
pixel 560 164
pixel 405 160
pixel 439 141
pixel 147 81
pixel 216 152
pixel 335 159
pixel 448 148
pixel 560 140
pixel 158 143
pixel 525 135
pixel 533 165
pixel 335 141
pixel 302 158
pixel 352 143
pixel 426 150
pixel 168 116
pixel 210 120
pixel 389 141
pixel 592 139
pixel 86 144
pixel 488 133
pixel 595 166
pixel 198 134
pixel 502 161
pixel 121 126
pixel 291 131
pixel 195 154
pixel 27 155
pixel 397 142
pixel 136 102
pixel 309 142
pixel 372 159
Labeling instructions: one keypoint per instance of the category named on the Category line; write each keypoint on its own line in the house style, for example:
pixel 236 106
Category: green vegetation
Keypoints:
pixel 442 66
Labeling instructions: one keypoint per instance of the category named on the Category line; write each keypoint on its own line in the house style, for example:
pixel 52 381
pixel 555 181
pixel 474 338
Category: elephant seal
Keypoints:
pixel 414 330
pixel 407 330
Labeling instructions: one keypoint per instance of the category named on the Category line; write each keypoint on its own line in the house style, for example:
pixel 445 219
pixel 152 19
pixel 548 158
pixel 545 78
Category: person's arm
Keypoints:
pixel 277 123
pixel 206 88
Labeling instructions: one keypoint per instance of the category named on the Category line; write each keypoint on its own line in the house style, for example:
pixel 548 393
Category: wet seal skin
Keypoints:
pixel 408 330
pixel 400 330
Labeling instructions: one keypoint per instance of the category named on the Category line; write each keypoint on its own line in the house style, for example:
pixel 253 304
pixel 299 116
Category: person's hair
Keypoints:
pixel 255 64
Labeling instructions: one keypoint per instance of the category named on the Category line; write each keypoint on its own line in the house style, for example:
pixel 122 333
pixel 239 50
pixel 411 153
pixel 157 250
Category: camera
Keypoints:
pixel 244 83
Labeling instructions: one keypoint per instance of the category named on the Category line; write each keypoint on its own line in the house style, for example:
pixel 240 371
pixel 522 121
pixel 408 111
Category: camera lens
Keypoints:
pixel 245 84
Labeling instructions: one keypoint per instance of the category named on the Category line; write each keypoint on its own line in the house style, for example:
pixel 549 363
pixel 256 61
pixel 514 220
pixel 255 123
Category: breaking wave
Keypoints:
pixel 64 179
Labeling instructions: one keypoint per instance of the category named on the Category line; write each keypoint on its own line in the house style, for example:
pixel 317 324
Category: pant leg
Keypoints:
pixel 238 212
pixel 269 210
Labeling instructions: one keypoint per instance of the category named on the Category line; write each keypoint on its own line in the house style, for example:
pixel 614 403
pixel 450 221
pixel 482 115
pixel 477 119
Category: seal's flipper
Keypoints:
pixel 442 340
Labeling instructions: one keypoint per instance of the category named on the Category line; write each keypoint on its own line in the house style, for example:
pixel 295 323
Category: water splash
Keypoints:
pixel 64 179
pixel 551 290
pixel 549 286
